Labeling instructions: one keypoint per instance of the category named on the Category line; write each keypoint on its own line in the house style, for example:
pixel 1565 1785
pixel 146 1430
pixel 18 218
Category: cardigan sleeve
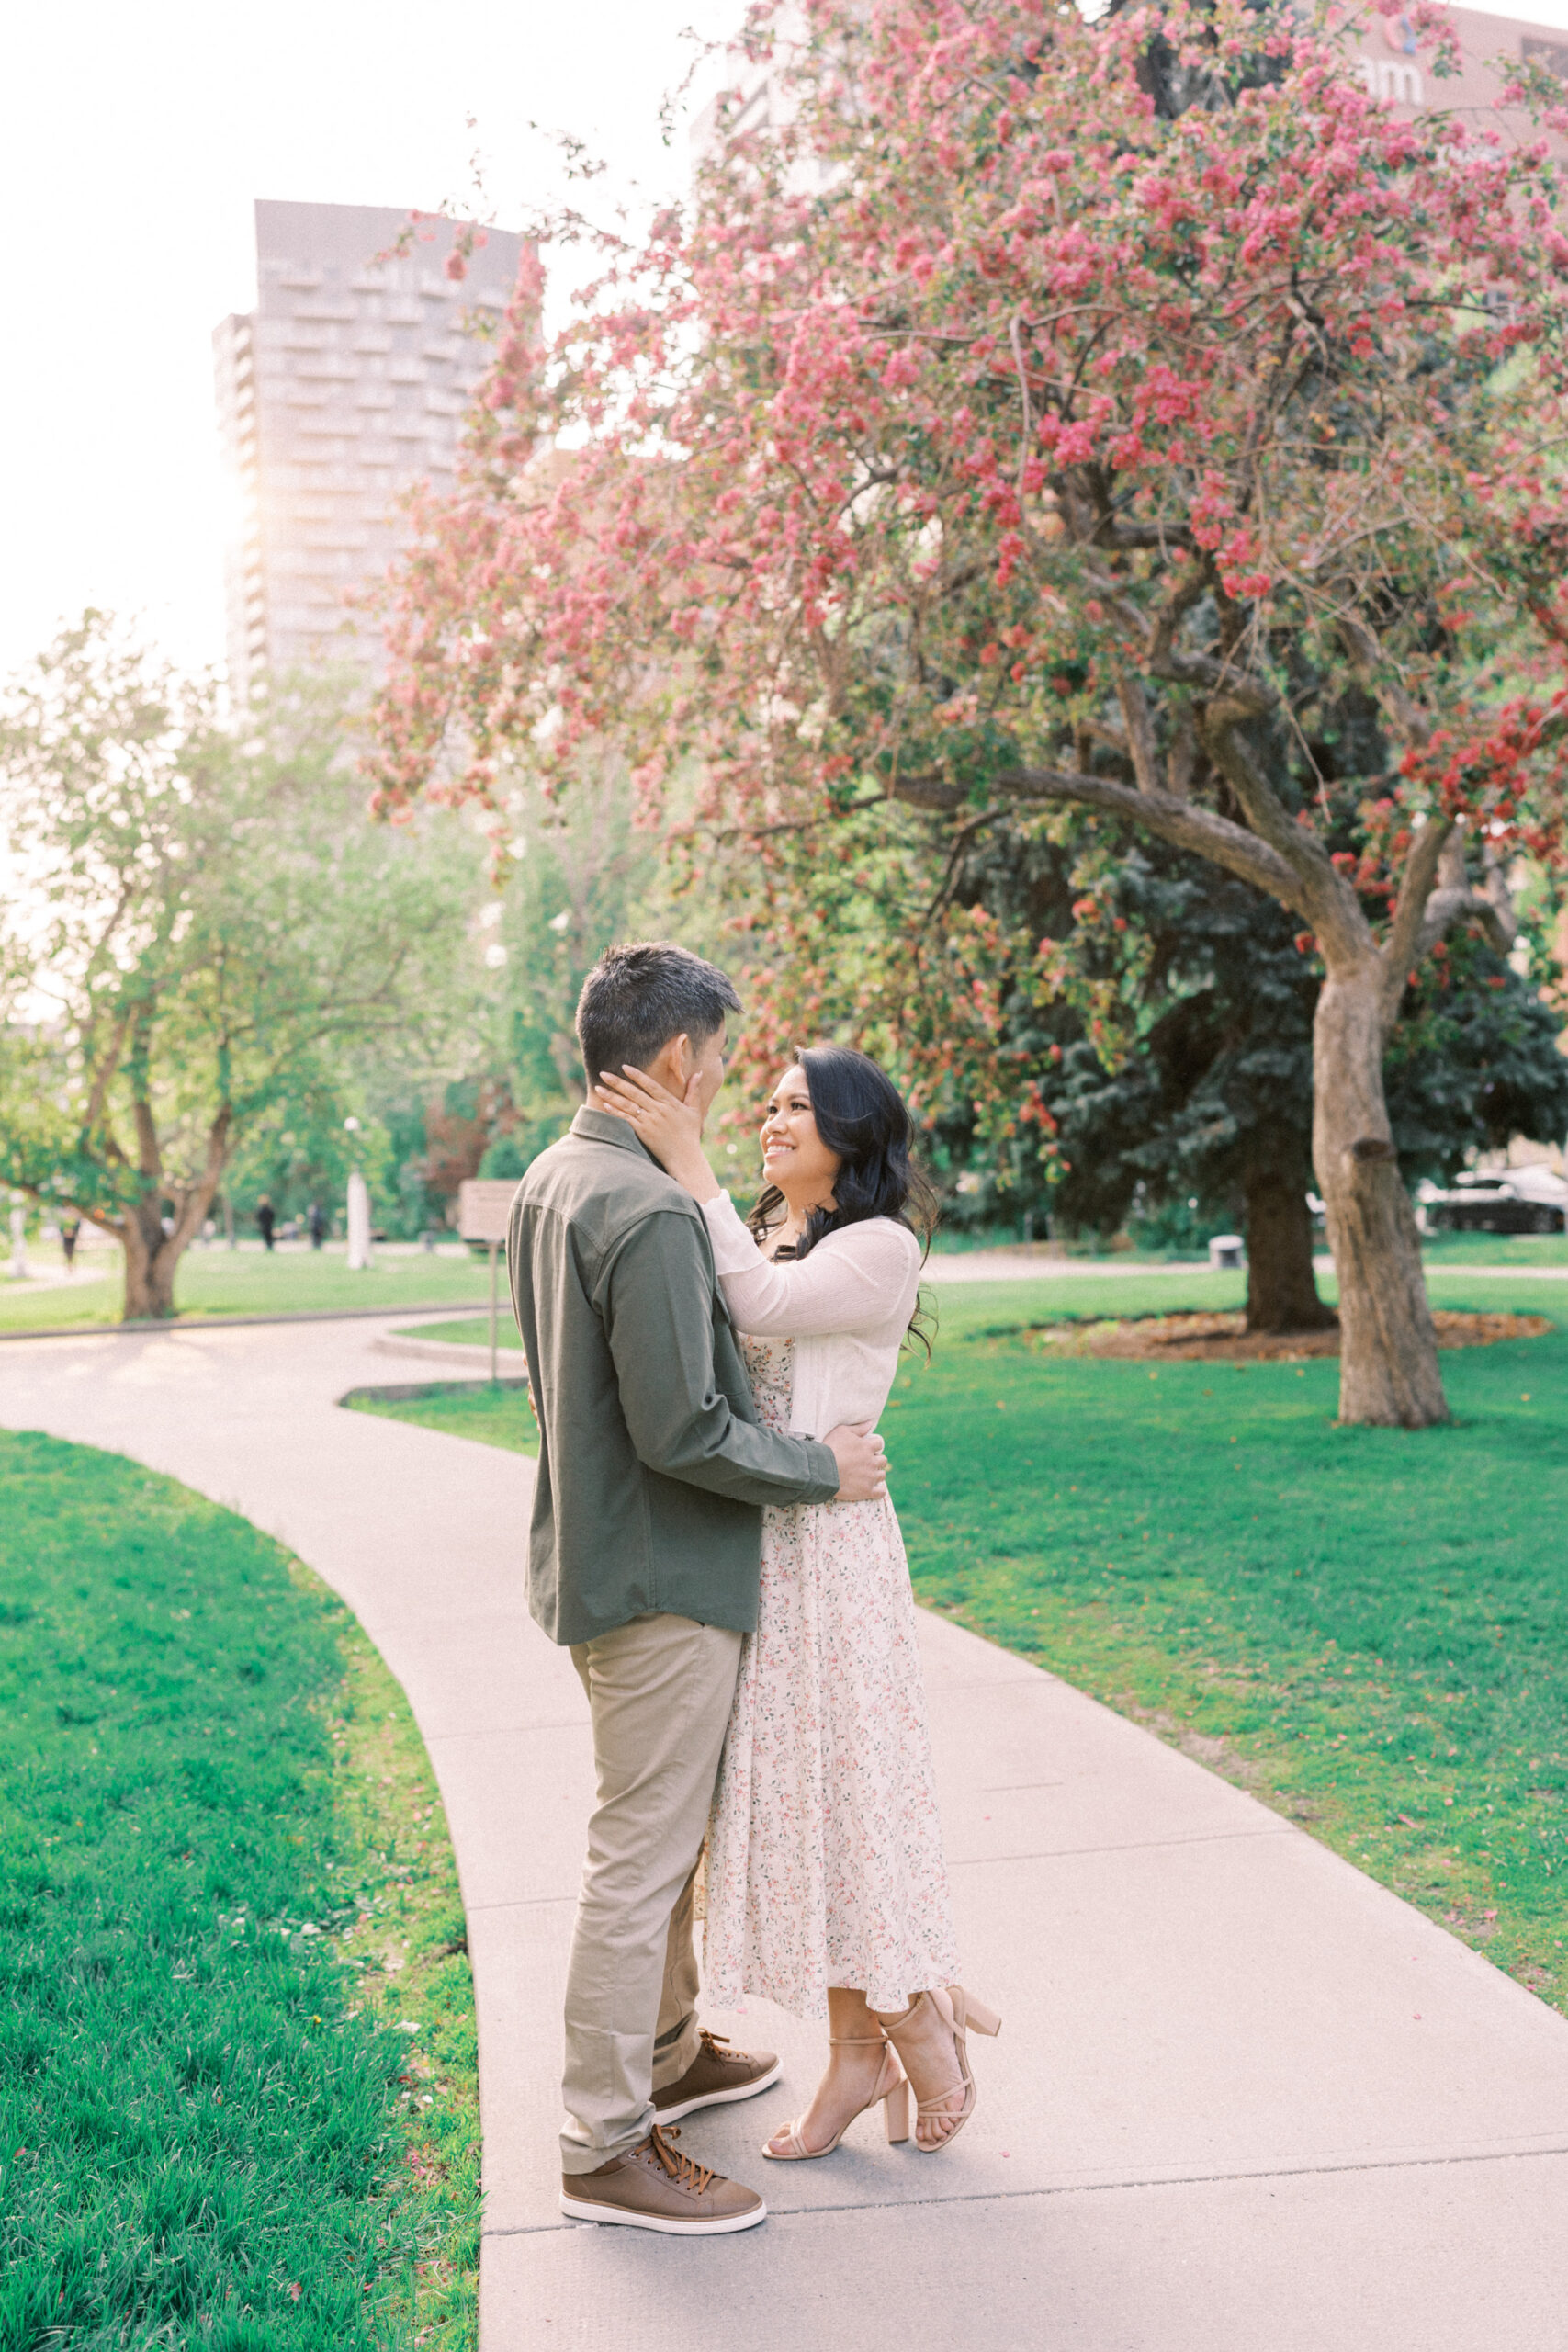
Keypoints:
pixel 856 1280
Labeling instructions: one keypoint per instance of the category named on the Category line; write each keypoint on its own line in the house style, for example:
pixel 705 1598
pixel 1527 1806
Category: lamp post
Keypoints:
pixel 359 1212
pixel 18 1236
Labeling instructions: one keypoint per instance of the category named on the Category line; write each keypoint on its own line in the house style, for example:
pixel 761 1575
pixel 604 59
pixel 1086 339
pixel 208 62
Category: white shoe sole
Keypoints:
pixel 663 2114
pixel 577 2209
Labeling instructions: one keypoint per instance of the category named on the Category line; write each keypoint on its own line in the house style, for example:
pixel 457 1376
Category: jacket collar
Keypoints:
pixel 603 1127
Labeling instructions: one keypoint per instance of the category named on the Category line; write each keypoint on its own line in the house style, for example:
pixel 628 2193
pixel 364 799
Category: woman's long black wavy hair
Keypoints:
pixel 861 1116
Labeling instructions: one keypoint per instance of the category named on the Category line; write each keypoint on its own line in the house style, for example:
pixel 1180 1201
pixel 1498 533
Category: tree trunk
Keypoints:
pixel 1387 1360
pixel 150 1258
pixel 1282 1289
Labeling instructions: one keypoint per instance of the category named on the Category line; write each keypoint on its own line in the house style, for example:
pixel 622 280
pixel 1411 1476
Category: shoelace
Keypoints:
pixel 684 2170
pixel 718 2044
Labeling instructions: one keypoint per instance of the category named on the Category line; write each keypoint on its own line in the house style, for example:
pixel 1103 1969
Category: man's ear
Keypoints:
pixel 672 1065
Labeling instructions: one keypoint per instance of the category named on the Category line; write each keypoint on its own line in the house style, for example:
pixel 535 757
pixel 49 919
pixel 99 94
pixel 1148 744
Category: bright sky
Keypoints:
pixel 132 142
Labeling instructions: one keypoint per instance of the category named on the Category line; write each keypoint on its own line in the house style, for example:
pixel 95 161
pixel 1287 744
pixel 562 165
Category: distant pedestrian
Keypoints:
pixel 70 1234
pixel 266 1217
pixel 316 1219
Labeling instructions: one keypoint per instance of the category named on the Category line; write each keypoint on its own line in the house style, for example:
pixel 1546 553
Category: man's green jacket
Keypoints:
pixel 652 1467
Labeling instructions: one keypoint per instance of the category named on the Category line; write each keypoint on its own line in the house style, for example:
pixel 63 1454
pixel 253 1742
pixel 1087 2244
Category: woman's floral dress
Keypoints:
pixel 824 1860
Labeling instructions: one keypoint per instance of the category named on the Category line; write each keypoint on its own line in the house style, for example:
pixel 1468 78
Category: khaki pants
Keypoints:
pixel 661 1690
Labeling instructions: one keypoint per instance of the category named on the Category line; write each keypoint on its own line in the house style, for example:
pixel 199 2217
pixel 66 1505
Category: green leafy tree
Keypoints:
pixel 200 925
pixel 583 877
pixel 1171 1040
pixel 299 1150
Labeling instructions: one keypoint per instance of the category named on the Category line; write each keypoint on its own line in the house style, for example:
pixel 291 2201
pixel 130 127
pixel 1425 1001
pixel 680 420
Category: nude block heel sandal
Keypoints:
pixel 941 2015
pixel 893 2095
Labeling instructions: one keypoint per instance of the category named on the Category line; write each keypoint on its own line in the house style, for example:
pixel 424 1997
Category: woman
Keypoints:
pixel 825 1884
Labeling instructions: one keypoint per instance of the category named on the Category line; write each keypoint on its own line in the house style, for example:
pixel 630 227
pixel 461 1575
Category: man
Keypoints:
pixel 644 1555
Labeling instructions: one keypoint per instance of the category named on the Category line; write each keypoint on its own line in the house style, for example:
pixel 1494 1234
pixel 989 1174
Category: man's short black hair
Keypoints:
pixel 636 998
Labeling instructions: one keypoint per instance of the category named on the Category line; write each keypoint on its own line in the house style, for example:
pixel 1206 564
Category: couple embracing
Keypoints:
pixel 712 1535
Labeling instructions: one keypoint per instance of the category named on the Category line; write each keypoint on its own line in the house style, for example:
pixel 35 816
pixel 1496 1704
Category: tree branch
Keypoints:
pixel 196 1199
pixel 1407 721
pixel 1320 892
pixel 1402 949
pixel 106 1068
pixel 1252 698
pixel 936 792
pixel 1456 900
pixel 149 1157
pixel 1161 813
pixel 958 844
pixel 1119 534
pixel 1137 719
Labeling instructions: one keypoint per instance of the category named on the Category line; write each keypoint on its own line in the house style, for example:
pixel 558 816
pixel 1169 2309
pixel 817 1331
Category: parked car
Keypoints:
pixel 1497 1200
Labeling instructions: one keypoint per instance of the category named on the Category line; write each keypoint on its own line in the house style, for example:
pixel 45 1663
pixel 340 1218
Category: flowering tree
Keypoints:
pixel 1134 419
pixel 206 926
pixel 1165 1043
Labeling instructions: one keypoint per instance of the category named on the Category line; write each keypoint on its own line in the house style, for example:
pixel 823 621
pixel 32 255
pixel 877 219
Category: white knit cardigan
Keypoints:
pixel 846 1306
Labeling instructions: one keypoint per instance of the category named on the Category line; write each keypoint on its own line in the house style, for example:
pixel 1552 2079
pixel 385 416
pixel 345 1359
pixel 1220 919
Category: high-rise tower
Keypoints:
pixel 344 387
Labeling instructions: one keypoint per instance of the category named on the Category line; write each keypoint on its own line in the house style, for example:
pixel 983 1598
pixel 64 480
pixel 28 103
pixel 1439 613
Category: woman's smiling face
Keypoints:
pixel 795 1157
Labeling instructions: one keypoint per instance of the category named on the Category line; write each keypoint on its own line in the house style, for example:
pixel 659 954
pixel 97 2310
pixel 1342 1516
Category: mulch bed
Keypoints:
pixel 1223 1338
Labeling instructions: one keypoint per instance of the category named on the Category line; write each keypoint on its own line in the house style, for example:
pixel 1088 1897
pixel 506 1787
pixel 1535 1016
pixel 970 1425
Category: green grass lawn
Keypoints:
pixel 963 1306
pixel 1492 1248
pixel 249 1282
pixel 238 2094
pixel 1368 1628
pixel 1496 1249
pixel 498 1415
pixel 473 1330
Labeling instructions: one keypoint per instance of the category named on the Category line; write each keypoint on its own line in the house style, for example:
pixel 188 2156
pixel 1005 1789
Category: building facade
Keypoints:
pixel 343 388
pixel 1395 67
pixel 1388 59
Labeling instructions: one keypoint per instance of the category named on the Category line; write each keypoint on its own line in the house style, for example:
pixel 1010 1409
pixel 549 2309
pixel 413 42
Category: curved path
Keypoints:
pixel 1244 2101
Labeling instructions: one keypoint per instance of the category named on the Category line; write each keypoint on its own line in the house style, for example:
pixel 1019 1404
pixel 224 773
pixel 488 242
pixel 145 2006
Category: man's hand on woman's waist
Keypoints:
pixel 862 1464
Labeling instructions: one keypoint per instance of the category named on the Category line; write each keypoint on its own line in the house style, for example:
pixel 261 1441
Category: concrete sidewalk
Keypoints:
pixel 1244 2100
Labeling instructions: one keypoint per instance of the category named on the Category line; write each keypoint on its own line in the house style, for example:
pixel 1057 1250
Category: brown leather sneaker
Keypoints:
pixel 717 2076
pixel 653 2186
